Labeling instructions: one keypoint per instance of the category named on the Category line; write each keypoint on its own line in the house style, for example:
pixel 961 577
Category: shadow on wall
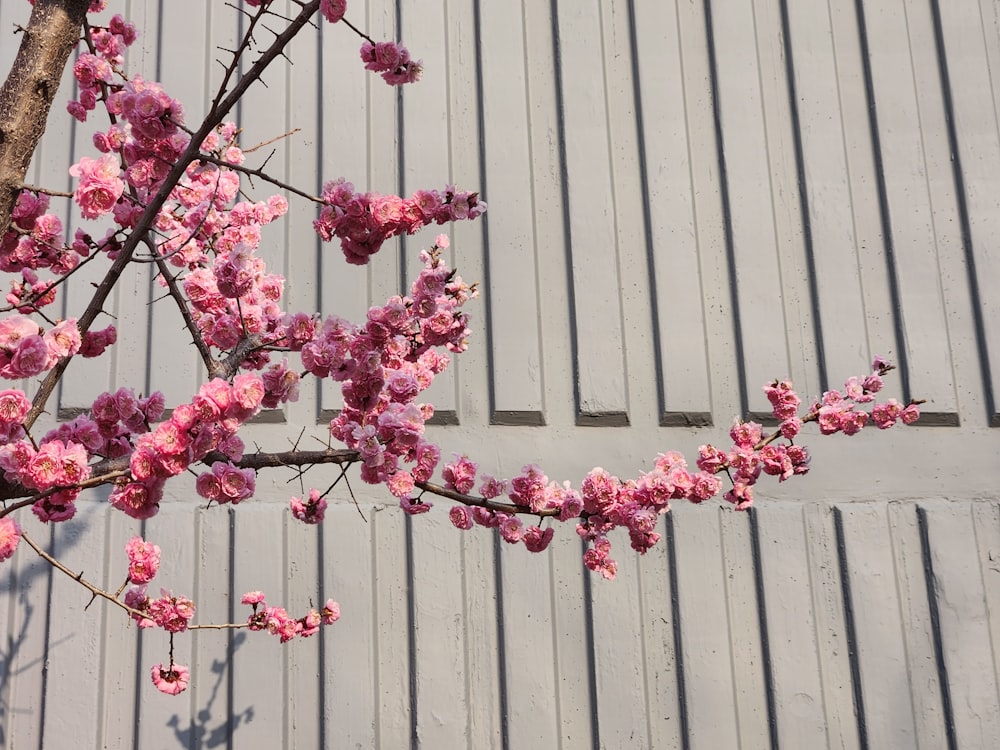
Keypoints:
pixel 9 652
pixel 200 731
pixel 23 581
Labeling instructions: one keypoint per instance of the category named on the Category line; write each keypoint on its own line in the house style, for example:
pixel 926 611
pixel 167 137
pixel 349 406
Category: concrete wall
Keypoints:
pixel 687 199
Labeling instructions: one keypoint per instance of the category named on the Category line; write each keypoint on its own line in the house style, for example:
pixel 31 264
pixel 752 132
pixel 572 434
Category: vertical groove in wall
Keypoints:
pixel 675 614
pixel 883 203
pixel 411 635
pixel 501 645
pixel 484 223
pixel 564 183
pixel 930 582
pixel 727 213
pixel 321 146
pixel 640 130
pixel 51 607
pixel 992 415
pixel 800 170
pixel 321 656
pixel 852 634
pixel 230 634
pixel 588 618
pixel 401 162
pixel 765 640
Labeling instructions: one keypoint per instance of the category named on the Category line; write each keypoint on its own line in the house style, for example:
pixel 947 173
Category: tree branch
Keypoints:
pixel 26 97
pixel 145 222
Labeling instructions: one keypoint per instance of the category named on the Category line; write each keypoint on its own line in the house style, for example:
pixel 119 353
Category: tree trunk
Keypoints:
pixel 52 34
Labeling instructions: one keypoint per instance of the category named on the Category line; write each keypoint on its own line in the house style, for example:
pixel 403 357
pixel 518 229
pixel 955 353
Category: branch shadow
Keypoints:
pixel 201 731
pixel 25 582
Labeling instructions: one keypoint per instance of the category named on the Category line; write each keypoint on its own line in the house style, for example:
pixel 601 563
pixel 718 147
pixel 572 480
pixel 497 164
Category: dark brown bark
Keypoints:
pixel 46 45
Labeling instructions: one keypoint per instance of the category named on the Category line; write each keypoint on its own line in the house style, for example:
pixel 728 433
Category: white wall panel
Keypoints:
pixel 671 223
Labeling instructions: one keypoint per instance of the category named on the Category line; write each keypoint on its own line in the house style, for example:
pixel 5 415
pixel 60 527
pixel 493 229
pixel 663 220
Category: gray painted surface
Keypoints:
pixel 686 199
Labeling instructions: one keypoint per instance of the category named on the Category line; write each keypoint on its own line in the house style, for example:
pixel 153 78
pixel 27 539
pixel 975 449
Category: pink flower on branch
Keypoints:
pixel 311 510
pixel 364 221
pixel 170 612
pixel 100 185
pixel 333 10
pixel 172 680
pixel 393 61
pixel 143 560
pixel 10 536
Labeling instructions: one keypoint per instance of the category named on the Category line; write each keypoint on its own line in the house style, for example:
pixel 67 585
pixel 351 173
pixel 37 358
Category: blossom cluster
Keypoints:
pixel 34 241
pixel 605 502
pixel 385 365
pixel 364 221
pixel 277 621
pixel 143 560
pixel 26 350
pixel 170 612
pixel 393 61
pixel 208 423
pixel 172 680
pixel 10 536
pixel 95 72
pixel 55 468
pixel 310 510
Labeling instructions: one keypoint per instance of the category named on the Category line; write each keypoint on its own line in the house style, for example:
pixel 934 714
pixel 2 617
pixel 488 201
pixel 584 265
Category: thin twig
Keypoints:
pixel 270 141
pixel 78 577
pixel 262 175
pixel 189 322
pixel 46 191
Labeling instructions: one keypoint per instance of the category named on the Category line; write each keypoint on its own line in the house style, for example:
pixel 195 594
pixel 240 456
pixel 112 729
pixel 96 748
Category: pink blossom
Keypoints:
pixel 414 507
pixel 248 391
pixel 144 560
pixel 138 499
pixel 401 484
pixel 598 560
pixel 599 490
pixel 136 599
pixel 511 528
pixel 171 612
pixel 100 186
pixel 58 506
pixel 790 427
pixel 537 540
pixel 460 475
pixel 745 433
pixel 741 495
pixel 711 459
pixel 172 680
pixel 14 406
pixel 10 535
pixel 330 612
pixel 30 358
pixel 704 486
pixel 311 510
pixel 784 401
pixel 309 625
pixel 333 10
pixel 253 598
pixel 491 487
pixel 485 517
pixel 226 483
pixel 461 517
